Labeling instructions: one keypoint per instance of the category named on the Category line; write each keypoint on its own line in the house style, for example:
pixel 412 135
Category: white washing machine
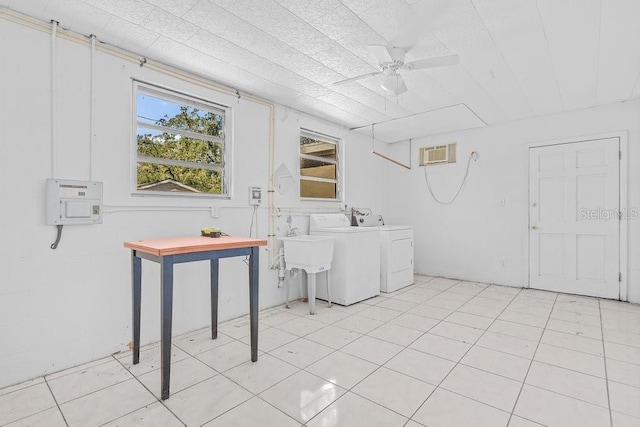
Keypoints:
pixel 355 270
pixel 396 251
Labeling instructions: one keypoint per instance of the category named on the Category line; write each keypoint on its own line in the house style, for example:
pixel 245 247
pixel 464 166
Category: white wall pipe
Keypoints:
pixel 54 130
pixel 309 209
pixel 129 56
pixel 270 231
pixel 92 102
pixel 113 209
pixel 302 214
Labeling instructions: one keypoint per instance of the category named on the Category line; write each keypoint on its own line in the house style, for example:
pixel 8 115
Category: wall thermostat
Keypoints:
pixel 255 195
pixel 73 202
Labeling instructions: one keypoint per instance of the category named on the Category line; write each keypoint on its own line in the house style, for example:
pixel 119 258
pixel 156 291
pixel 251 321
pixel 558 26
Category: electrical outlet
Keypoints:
pixel 503 263
pixel 215 212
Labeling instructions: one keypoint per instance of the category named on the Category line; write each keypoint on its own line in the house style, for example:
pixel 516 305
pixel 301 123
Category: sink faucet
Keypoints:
pixel 293 231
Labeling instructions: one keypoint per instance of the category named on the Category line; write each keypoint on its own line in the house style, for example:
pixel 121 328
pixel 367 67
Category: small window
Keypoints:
pixel 319 166
pixel 181 144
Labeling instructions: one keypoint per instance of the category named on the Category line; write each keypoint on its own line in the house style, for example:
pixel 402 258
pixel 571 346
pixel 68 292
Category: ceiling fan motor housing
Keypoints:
pixel 397 55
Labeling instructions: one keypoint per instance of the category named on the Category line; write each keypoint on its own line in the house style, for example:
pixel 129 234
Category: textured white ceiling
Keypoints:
pixel 519 58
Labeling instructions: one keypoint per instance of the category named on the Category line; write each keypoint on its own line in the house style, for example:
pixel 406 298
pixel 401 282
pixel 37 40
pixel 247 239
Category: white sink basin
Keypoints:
pixel 310 253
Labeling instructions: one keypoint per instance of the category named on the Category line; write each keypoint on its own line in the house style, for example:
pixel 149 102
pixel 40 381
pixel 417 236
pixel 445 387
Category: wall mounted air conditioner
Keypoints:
pixel 438 154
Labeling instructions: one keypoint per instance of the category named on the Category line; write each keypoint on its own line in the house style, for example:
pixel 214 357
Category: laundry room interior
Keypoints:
pixel 403 213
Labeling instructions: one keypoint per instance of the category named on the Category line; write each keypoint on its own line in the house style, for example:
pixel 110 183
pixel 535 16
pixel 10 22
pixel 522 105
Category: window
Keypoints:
pixel 181 144
pixel 319 166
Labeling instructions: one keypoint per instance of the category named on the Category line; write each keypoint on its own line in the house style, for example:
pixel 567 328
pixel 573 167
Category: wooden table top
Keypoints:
pixel 185 245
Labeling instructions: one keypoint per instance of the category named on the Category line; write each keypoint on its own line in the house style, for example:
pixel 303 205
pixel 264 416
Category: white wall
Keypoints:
pixel 469 238
pixel 72 305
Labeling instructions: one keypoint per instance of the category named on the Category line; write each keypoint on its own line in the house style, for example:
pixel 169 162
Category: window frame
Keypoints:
pixel 339 181
pixel 182 98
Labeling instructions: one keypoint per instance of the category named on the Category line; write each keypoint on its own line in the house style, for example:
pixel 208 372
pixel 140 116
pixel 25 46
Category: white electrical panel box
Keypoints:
pixel 73 202
pixel 255 196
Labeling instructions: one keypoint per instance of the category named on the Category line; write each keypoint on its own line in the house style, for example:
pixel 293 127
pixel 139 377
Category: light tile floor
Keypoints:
pixel 438 353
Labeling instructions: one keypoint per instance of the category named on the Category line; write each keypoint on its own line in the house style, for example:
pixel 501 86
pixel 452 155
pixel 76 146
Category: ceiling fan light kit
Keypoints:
pixel 393 82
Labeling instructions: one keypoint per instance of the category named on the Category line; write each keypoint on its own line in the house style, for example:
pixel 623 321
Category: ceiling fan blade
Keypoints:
pixel 381 52
pixel 353 79
pixel 440 61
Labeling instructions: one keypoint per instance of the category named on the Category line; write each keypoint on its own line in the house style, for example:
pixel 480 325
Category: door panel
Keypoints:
pixel 591 192
pixel 574 236
pixel 551 204
pixel 591 255
pixel 551 248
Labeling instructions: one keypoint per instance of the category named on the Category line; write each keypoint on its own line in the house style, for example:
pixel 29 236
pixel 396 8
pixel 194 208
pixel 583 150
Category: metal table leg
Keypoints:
pixel 253 301
pixel 166 283
pixel 215 268
pixel 136 291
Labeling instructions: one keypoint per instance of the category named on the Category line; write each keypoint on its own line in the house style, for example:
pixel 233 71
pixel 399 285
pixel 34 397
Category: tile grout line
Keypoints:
pixel 194 356
pixel 566 395
pixel 218 373
pixel 46 381
pixel 162 402
pixel 440 321
pixel 146 388
pixel 57 406
pixel 251 392
pixel 221 373
pixel 375 370
pixel 100 389
pixel 435 387
pixel 459 360
pixel 524 380
pixel 378 368
pixel 278 409
pixel 56 401
pixel 75 369
pixel 604 359
pixel 388 322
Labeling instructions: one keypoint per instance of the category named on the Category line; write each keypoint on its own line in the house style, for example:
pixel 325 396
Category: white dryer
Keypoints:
pixel 396 250
pixel 355 270
pixel 396 257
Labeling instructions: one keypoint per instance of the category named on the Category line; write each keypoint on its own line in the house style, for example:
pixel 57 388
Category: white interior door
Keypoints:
pixel 574 223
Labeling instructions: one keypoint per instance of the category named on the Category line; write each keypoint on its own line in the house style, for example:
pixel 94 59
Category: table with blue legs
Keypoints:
pixel 170 251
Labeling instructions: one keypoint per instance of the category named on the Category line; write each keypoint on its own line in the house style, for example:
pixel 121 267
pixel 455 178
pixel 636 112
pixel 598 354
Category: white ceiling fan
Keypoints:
pixel 391 60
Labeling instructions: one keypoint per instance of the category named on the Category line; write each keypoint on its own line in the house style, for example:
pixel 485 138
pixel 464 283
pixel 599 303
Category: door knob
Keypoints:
pixel 533 227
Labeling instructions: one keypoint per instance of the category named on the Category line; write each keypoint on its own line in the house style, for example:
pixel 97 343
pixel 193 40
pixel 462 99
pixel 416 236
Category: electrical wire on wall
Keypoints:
pixel 473 156
pixel 254 219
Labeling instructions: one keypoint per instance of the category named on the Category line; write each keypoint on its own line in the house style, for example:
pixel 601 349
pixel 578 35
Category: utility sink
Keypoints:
pixel 310 253
pixel 313 254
